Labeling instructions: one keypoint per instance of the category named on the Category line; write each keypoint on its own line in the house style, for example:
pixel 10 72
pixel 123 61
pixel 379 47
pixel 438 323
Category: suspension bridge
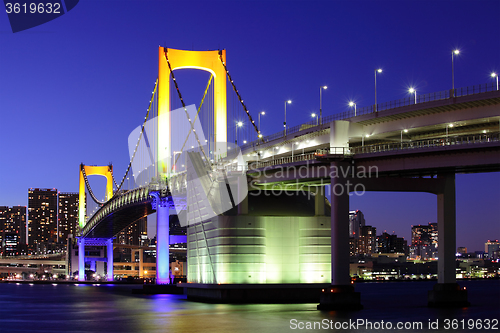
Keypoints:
pixel 183 162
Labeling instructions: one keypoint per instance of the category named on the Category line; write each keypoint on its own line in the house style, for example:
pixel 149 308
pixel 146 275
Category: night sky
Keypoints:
pixel 73 89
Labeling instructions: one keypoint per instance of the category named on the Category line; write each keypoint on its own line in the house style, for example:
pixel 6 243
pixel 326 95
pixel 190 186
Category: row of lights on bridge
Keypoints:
pixel 411 90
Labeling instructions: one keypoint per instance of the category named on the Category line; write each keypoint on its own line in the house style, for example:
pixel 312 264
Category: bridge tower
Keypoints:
pixel 170 60
pixel 90 170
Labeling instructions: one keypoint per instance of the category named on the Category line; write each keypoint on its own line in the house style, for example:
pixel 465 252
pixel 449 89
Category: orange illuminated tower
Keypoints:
pixel 210 61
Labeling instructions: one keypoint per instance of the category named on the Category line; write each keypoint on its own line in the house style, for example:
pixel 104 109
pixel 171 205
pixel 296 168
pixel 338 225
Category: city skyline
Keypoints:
pixel 72 92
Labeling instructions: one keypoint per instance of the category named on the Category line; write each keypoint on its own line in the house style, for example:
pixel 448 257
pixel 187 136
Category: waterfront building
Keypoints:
pixel 356 222
pixel 387 243
pixel 67 216
pixel 366 243
pixel 424 241
pixel 134 234
pixel 491 247
pixel 42 217
pixel 12 230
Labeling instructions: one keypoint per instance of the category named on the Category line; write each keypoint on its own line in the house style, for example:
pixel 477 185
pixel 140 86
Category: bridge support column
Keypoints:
pixel 81 259
pixel 109 247
pixel 141 266
pixel 447 293
pixel 162 241
pixel 340 295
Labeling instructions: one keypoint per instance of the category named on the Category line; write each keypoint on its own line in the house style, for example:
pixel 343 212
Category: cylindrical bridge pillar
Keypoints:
pixel 446 209
pixel 447 292
pixel 340 227
pixel 81 259
pixel 340 295
pixel 141 264
pixel 162 241
pixel 109 247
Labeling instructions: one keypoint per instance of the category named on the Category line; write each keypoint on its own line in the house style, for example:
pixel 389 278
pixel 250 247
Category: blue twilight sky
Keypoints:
pixel 72 90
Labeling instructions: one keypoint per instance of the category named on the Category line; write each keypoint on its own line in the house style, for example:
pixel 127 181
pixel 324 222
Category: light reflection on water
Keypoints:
pixel 86 308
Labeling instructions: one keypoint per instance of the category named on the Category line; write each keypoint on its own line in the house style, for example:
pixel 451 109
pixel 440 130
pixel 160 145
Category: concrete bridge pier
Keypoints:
pixel 109 247
pixel 162 207
pixel 447 292
pixel 81 259
pixel 340 295
pixel 108 242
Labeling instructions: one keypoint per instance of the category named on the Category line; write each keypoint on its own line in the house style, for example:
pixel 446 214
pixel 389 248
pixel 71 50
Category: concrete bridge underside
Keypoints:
pixel 219 249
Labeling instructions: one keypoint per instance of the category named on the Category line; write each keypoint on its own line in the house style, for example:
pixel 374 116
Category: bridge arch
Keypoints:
pixel 91 170
pixel 209 61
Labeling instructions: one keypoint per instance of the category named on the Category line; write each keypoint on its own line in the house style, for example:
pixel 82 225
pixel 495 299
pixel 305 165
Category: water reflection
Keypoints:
pixel 84 308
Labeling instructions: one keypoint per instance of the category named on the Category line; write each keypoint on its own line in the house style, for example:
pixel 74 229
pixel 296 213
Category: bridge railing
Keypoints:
pixel 439 142
pixel 350 151
pixel 282 160
pixel 345 151
pixel 477 89
pixel 410 100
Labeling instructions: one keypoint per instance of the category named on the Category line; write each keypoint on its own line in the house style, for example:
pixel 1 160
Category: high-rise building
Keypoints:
pixel 67 216
pixel 12 230
pixel 391 244
pixel 3 218
pixel 368 239
pixel 424 241
pixel 366 243
pixel 134 234
pixel 491 246
pixel 356 221
pixel 18 222
pixel 42 217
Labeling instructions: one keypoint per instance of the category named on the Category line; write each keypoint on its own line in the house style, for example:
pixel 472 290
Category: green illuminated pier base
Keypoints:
pixel 271 249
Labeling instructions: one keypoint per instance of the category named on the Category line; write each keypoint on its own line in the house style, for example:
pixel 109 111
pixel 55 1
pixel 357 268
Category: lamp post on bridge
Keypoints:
pixel 455 52
pixel 260 113
pixel 320 102
pixel 376 71
pixel 284 123
pixel 315 115
pixel 413 91
pixel 406 131
pixel 448 126
pixel 495 75
pixel 238 124
pixel 351 104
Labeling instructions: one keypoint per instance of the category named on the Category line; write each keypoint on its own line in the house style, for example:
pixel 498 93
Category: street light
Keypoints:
pixel 262 112
pixel 376 71
pixel 351 104
pixel 406 131
pixel 411 91
pixel 455 52
pixel 320 90
pixel 238 124
pixel 495 75
pixel 284 123
pixel 315 115
pixel 448 126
